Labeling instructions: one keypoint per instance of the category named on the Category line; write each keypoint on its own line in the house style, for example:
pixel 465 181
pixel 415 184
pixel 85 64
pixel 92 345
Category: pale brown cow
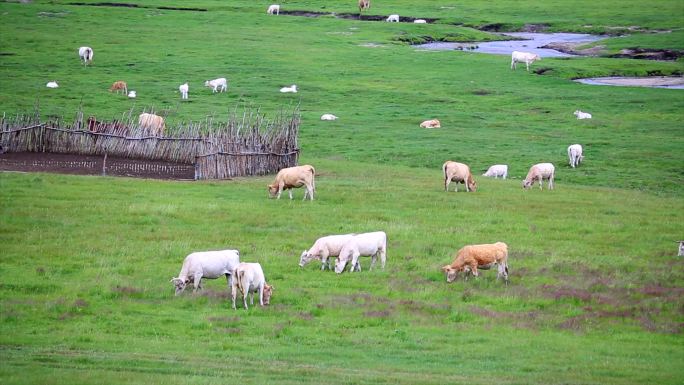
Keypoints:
pixel 291 177
pixel 471 257
pixel 459 173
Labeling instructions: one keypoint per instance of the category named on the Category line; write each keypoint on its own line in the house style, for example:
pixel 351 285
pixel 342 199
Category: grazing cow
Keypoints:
pixel 52 84
pixel 290 89
pixel 86 54
pixel 366 245
pixel 328 117
pixel 152 124
pixel 291 177
pixel 575 155
pixel 470 258
pixel 539 172
pixel 206 264
pixel 582 115
pixel 217 85
pixel 119 85
pixel 132 94
pixel 434 123
pixel 497 170
pixel 273 9
pixel 459 173
pixel 324 248
pixel 523 57
pixel 393 18
pixel 184 88
pixel 420 21
pixel 250 279
pixel 364 4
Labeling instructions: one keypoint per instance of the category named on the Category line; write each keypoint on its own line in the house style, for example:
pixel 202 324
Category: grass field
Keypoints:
pixel 596 288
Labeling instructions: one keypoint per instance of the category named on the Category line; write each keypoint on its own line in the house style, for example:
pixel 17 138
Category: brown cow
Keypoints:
pixel 470 257
pixel 364 4
pixel 119 85
pixel 291 177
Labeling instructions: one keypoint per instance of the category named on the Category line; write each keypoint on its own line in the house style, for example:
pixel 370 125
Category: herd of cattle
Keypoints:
pixel 249 278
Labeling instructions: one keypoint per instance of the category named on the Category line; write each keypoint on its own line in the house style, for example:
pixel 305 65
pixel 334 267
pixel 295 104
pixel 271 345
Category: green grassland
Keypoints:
pixel 596 289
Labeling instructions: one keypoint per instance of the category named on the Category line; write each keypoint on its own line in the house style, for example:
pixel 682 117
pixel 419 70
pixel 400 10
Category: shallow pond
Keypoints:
pixel 532 42
pixel 654 82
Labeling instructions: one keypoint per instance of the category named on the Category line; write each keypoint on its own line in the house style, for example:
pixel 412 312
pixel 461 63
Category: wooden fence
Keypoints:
pixel 250 145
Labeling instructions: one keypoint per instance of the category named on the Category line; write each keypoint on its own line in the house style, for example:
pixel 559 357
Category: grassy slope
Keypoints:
pixel 87 300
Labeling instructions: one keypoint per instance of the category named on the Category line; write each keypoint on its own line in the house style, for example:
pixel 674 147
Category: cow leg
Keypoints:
pixel 550 184
pixel 198 282
pixel 354 261
pixel 383 257
pixel 261 295
pixel 290 192
pixel 233 294
pixel 446 184
pixel 374 258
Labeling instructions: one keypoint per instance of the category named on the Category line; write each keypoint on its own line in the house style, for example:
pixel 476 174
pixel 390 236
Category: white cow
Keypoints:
pixel 539 172
pixel 393 18
pixel 273 9
pixel 366 245
pixel 290 89
pixel 575 155
pixel 420 21
pixel 328 117
pixel 217 85
pixel 324 248
pixel 523 57
pixel 52 84
pixel 132 94
pixel 497 170
pixel 86 54
pixel 184 88
pixel 249 279
pixel 206 264
pixel 582 115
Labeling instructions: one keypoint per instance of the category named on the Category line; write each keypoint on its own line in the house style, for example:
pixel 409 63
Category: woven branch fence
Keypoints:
pixel 244 145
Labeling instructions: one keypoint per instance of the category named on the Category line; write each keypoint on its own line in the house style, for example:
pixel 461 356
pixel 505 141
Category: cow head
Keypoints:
pixel 472 185
pixel 305 258
pixel 272 190
pixel 451 273
pixel 268 291
pixel 339 265
pixel 179 284
pixel 526 183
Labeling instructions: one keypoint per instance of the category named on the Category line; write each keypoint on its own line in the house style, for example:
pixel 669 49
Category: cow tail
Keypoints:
pixel 240 275
pixel 444 167
pixel 313 178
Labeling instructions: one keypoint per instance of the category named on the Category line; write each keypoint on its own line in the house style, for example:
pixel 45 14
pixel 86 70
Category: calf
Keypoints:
pixel 523 57
pixel 575 155
pixel 249 279
pixel 291 177
pixel 366 245
pixel 539 172
pixel 470 258
pixel 459 173
pixel 184 88
pixel 206 264
pixel 119 85
pixel 497 170
pixel 364 4
pixel 217 85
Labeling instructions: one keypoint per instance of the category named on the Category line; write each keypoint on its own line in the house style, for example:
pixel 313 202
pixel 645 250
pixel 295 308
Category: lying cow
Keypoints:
pixel 249 278
pixel 433 123
pixel 470 258
pixel 206 264
pixel 291 177
pixel 363 245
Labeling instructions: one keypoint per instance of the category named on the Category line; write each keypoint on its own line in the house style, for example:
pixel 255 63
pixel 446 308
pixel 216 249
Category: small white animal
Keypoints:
pixel 131 94
pixel 184 88
pixel 582 115
pixel 52 85
pixel 419 21
pixel 393 18
pixel 273 9
pixel 328 117
pixel 86 54
pixel 217 85
pixel 497 170
pixel 575 155
pixel 523 57
pixel 292 89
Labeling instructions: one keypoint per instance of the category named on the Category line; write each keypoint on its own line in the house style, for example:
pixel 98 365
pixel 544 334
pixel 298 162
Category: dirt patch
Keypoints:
pixel 377 314
pixel 572 48
pixel 229 330
pixel 649 54
pixel 224 319
pixel 354 16
pixel 535 28
pixel 127 291
pixel 213 294
pixel 93 165
pixel 541 71
pixel 566 292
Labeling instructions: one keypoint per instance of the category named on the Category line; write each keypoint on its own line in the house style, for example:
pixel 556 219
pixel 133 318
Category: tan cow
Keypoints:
pixel 471 257
pixel 364 4
pixel 119 85
pixel 152 124
pixel 291 177
pixel 459 173
pixel 434 123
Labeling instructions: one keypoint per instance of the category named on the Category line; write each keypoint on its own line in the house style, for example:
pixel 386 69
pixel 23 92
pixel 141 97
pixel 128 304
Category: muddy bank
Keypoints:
pixel 354 16
pixel 654 81
pixel 130 5
pixel 572 48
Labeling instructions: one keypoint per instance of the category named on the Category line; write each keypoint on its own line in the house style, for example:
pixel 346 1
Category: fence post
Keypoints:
pixel 104 165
